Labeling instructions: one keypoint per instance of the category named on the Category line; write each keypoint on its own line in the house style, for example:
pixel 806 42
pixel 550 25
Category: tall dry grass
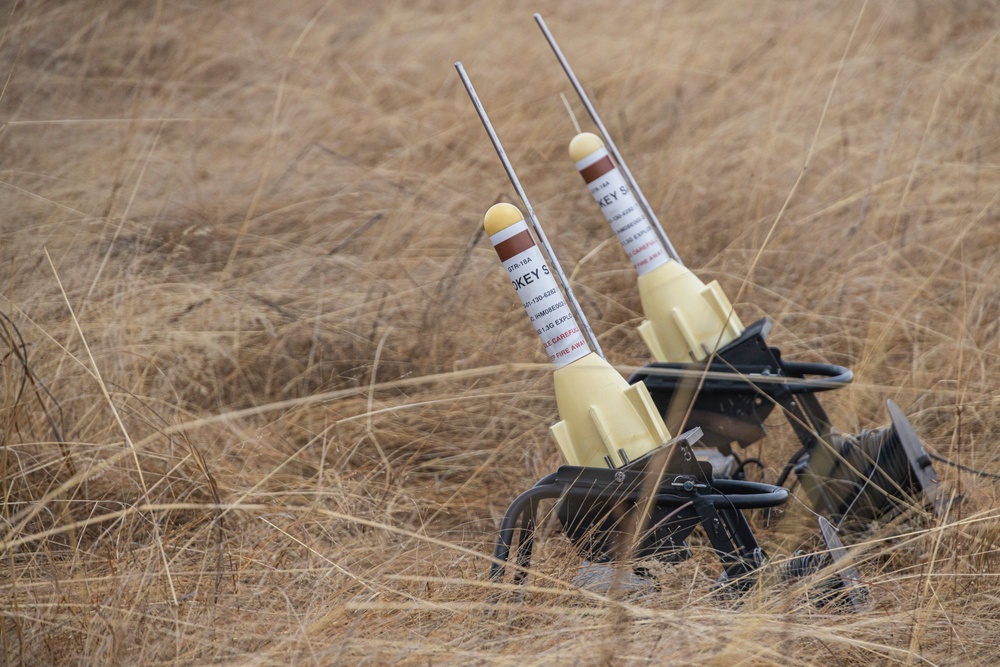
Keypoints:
pixel 266 394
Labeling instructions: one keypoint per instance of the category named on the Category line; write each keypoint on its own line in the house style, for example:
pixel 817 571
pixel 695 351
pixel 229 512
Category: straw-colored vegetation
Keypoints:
pixel 266 392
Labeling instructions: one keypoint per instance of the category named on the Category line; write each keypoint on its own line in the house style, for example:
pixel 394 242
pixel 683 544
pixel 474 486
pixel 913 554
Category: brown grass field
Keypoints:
pixel 266 393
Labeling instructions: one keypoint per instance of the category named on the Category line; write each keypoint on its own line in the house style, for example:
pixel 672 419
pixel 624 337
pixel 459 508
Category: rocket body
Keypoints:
pixel 604 421
pixel 686 320
pixel 532 279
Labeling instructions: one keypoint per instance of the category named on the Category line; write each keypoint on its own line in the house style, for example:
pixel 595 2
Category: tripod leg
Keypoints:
pixel 525 542
pixel 522 511
pixel 739 560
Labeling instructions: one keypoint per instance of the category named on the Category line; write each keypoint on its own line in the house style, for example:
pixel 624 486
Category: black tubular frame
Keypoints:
pixel 745 381
pixel 717 505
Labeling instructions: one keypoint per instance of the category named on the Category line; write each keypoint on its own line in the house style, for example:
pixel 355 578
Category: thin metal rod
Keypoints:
pixel 539 232
pixel 607 139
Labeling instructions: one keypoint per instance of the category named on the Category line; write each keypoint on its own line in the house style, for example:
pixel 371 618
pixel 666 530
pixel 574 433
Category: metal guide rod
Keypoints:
pixel 607 140
pixel 539 232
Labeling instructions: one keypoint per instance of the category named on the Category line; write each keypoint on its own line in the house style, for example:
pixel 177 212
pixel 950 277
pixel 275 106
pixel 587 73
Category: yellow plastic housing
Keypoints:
pixel 686 319
pixel 603 415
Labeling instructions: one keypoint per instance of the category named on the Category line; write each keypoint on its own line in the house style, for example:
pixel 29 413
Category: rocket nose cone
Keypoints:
pixel 500 217
pixel 583 145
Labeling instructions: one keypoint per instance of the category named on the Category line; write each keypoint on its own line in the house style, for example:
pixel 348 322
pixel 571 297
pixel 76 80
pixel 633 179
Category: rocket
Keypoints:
pixel 603 420
pixel 686 320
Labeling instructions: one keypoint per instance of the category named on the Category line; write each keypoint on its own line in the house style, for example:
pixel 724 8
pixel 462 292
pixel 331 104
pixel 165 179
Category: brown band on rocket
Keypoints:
pixel 515 245
pixel 593 172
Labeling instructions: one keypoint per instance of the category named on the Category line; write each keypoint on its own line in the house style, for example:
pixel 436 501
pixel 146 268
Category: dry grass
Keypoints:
pixel 273 395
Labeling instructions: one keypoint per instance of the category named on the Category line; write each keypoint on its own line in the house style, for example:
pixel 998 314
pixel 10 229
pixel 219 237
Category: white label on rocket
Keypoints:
pixel 540 295
pixel 623 213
